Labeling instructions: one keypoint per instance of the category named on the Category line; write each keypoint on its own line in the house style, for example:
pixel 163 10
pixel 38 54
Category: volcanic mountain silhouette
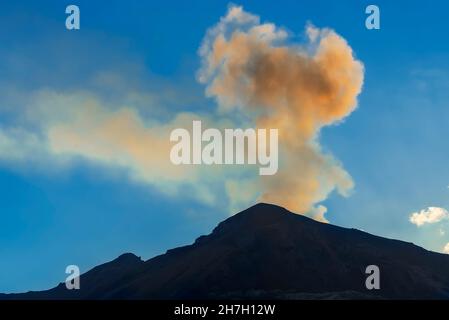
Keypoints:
pixel 268 252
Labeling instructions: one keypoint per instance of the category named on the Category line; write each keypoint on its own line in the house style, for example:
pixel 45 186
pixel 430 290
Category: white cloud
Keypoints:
pixel 446 248
pixel 429 215
pixel 317 213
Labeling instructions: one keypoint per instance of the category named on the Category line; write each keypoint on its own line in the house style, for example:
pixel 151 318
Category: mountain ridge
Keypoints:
pixel 265 252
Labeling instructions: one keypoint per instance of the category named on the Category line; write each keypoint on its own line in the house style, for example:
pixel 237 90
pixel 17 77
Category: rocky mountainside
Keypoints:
pixel 268 252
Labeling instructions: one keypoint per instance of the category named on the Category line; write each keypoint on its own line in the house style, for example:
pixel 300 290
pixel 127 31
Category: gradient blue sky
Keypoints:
pixel 395 145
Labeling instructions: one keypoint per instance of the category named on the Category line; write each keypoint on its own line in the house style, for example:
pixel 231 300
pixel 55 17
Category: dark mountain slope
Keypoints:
pixel 269 252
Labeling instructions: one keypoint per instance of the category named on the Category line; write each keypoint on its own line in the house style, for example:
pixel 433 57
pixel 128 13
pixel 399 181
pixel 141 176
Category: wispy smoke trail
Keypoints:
pixel 258 79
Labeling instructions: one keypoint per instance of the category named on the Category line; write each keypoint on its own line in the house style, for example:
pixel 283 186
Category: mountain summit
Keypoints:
pixel 268 252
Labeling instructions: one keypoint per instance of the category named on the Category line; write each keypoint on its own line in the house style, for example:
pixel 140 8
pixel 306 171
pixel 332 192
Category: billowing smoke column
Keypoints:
pixel 250 67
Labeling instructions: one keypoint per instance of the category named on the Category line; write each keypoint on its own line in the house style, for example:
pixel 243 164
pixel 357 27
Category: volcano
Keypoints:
pixel 267 252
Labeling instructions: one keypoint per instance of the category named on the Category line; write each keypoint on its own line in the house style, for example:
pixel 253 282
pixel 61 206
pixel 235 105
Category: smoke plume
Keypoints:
pixel 258 78
pixel 251 68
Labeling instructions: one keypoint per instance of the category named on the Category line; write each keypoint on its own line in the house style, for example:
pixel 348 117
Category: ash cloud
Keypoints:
pixel 258 78
pixel 251 67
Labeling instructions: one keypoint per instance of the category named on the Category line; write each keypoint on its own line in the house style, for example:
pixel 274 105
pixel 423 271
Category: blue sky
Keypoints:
pixel 53 214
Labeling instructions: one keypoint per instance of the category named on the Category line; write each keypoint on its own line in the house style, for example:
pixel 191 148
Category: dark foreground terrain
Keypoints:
pixel 268 252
